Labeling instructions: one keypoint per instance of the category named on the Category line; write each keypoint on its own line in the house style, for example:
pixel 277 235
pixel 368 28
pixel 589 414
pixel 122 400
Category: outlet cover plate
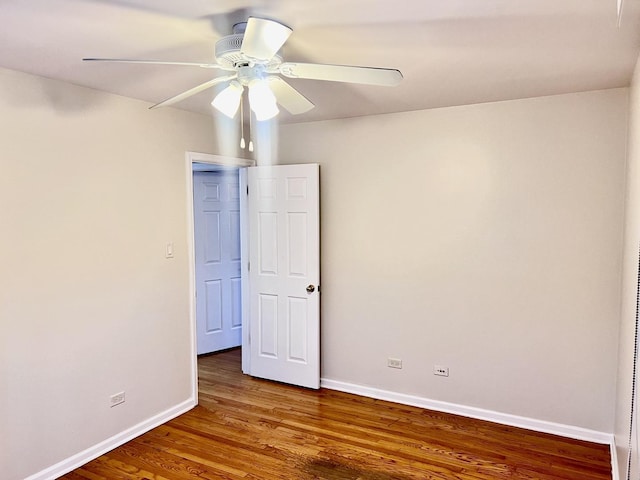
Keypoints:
pixel 394 363
pixel 116 399
pixel 441 371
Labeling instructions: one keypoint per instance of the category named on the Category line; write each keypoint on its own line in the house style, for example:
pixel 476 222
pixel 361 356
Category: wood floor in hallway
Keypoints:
pixel 246 428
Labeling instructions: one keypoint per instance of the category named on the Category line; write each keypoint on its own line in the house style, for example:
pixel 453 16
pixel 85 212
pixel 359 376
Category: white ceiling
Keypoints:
pixel 451 52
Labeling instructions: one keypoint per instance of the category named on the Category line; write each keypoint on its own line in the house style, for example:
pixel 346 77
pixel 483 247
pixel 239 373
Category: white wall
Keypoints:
pixel 92 186
pixel 629 287
pixel 486 238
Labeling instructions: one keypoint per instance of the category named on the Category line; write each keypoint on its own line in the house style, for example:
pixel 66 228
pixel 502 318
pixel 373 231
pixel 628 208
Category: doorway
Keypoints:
pixel 279 269
pixel 195 161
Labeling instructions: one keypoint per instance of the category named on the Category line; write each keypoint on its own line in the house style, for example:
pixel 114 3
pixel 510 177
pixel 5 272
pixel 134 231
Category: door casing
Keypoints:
pixel 190 159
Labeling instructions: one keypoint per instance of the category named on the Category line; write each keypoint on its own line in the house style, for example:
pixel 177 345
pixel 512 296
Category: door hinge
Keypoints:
pixel 248 266
pixel 247 189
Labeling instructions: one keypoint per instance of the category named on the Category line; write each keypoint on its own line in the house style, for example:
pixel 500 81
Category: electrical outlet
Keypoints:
pixel 441 371
pixel 116 399
pixel 394 363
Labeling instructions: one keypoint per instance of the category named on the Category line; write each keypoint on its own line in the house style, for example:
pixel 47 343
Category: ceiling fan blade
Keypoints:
pixel 193 91
pixel 152 62
pixel 388 77
pixel 263 38
pixel 290 98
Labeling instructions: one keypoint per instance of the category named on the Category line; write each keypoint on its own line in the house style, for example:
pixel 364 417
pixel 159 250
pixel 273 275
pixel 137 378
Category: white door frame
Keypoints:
pixel 190 159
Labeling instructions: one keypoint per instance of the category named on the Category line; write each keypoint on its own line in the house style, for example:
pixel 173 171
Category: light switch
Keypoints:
pixel 169 250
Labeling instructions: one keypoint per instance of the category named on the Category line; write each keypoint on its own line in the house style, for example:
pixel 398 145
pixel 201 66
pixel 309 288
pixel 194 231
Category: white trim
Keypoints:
pixel 615 471
pixel 192 276
pixel 218 160
pixel 103 447
pixel 543 426
pixel 244 271
pixel 191 158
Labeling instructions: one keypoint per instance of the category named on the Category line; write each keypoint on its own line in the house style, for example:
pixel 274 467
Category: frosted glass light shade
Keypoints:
pixel 263 38
pixel 228 100
pixel 262 100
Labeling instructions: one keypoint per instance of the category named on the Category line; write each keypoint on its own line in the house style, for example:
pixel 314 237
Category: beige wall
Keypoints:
pixel 92 186
pixel 485 238
pixel 629 286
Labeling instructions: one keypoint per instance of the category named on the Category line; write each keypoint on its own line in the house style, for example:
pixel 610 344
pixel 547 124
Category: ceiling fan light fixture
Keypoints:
pixel 262 100
pixel 228 100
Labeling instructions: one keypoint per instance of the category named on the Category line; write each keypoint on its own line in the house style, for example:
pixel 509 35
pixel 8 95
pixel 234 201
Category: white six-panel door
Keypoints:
pixel 284 273
pixel 217 260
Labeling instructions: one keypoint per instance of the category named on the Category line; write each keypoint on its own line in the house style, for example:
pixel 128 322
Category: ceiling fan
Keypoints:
pixel 252 55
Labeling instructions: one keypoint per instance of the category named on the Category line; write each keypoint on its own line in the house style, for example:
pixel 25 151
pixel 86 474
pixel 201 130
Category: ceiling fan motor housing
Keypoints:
pixel 228 55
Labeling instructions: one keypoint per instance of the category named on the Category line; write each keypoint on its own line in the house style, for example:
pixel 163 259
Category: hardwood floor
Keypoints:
pixel 246 428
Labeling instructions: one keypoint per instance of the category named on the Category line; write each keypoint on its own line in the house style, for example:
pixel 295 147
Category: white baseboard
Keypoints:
pixel 569 431
pixel 121 438
pixel 543 426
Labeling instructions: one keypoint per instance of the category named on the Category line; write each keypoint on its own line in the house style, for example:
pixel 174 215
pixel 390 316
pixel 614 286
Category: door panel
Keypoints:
pixel 217 258
pixel 268 326
pixel 213 306
pixel 211 238
pixel 284 256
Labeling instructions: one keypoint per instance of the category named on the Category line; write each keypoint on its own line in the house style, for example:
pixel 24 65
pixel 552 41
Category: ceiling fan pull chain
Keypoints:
pixel 250 131
pixel 242 144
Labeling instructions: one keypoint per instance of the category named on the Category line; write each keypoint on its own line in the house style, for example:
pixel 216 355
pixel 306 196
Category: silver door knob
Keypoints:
pixel 311 289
